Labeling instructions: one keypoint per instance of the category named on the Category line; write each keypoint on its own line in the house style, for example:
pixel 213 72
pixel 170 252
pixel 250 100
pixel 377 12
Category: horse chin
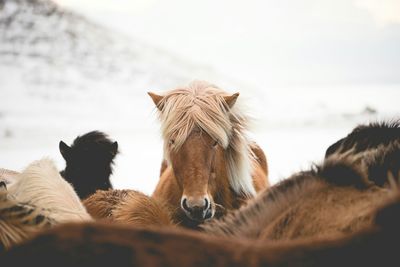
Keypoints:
pixel 209 214
pixel 200 219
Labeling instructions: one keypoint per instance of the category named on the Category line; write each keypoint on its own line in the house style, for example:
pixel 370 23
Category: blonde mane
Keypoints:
pixel 41 185
pixel 202 105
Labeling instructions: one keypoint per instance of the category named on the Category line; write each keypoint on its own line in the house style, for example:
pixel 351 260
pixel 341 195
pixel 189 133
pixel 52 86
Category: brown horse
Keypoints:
pixel 209 160
pixel 210 164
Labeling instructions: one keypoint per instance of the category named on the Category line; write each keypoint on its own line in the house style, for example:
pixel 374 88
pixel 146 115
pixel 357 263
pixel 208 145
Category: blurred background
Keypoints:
pixel 309 71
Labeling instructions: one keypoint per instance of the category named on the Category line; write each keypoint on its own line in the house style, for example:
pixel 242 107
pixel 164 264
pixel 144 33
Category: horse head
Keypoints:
pixel 191 145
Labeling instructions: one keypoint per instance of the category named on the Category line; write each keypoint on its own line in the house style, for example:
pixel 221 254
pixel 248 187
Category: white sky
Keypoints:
pixel 267 42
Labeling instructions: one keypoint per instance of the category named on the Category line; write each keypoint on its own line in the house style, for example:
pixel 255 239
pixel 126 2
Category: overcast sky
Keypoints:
pixel 267 42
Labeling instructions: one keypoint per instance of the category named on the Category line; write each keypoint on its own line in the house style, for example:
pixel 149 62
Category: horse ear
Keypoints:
pixel 114 148
pixel 231 99
pixel 64 149
pixel 156 99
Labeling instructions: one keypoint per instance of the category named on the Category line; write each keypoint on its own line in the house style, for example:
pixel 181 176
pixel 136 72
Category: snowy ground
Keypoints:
pixel 61 76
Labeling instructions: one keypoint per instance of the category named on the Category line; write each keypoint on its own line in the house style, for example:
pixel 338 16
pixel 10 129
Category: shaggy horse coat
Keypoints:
pixel 95 245
pixel 7 176
pixel 337 197
pixel 89 162
pixel 18 221
pixel 378 147
pixel 37 198
pixel 128 207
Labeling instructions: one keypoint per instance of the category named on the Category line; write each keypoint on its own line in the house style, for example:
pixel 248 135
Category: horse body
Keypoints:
pixel 41 185
pixel 37 198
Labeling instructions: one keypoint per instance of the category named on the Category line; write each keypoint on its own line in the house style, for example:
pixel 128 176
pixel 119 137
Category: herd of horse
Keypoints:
pixel 213 204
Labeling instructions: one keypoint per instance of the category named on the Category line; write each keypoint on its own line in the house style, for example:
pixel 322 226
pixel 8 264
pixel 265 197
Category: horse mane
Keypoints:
pixel 41 185
pixel 7 176
pixel 249 220
pixel 18 221
pixel 366 137
pixel 375 164
pixel 377 145
pixel 89 162
pixel 202 105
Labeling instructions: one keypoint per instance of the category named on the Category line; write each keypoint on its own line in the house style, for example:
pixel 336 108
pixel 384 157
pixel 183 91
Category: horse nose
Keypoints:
pixel 196 207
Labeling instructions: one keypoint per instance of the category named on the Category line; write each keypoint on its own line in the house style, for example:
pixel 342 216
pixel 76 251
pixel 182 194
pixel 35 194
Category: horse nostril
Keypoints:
pixel 3 184
pixel 185 206
pixel 206 203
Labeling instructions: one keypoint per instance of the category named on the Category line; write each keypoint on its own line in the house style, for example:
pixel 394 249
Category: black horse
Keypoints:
pixel 89 162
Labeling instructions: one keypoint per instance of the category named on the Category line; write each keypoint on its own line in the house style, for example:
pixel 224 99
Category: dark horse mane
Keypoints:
pixel 377 159
pixel 365 137
pixel 379 144
pixel 89 162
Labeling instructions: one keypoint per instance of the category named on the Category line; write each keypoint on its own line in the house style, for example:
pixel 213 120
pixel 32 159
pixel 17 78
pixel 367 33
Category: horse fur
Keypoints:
pixel 128 207
pixel 37 198
pixel 319 201
pixel 19 221
pixel 41 185
pixel 107 244
pixel 378 147
pixel 89 162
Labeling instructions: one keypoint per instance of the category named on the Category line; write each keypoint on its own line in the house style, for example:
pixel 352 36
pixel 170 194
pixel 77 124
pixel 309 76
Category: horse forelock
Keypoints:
pixel 202 105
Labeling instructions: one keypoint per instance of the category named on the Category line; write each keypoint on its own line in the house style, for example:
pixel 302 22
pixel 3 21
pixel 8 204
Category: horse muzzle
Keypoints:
pixel 197 210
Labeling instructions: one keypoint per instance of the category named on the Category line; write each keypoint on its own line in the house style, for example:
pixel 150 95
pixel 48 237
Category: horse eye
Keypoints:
pixel 215 144
pixel 171 142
